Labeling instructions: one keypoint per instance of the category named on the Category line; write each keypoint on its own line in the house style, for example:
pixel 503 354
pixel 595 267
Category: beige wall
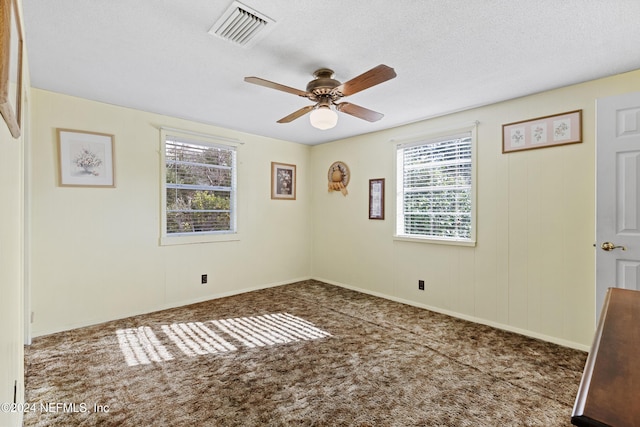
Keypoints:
pixel 11 270
pixel 532 270
pixel 96 256
pixel 96 253
pixel 12 229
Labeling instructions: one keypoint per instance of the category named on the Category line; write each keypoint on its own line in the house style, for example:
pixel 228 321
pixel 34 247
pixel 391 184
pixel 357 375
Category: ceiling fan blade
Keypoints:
pixel 359 112
pixel 374 76
pixel 299 113
pixel 266 83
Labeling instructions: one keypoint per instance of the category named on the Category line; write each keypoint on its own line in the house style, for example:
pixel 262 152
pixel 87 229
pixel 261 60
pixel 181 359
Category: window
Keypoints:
pixel 436 188
pixel 199 187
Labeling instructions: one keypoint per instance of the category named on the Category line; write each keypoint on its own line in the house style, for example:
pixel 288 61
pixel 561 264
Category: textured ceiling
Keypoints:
pixel 157 55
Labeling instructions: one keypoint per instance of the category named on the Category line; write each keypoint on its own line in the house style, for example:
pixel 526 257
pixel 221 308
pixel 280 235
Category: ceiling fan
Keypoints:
pixel 326 92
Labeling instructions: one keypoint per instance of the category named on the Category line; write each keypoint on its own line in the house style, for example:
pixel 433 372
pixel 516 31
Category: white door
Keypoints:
pixel 617 194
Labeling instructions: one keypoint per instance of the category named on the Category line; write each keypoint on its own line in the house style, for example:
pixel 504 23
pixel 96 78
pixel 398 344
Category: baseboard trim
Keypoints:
pixel 497 325
pixel 509 328
pixel 93 322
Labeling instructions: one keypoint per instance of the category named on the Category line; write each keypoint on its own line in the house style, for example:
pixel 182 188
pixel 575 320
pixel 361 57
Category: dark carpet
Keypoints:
pixel 304 354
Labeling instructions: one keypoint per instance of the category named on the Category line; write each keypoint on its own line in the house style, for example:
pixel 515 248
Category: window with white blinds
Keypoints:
pixel 435 189
pixel 199 187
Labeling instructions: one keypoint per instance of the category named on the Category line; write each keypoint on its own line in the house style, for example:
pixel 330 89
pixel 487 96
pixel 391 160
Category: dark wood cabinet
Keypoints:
pixel 609 393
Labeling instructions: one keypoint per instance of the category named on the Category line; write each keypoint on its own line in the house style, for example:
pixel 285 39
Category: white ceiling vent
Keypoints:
pixel 242 25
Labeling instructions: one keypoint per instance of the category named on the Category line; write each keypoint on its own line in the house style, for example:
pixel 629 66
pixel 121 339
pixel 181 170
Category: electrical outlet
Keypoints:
pixel 203 279
pixel 421 285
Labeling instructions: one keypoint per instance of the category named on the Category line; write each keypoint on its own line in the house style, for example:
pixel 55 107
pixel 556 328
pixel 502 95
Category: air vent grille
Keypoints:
pixel 242 25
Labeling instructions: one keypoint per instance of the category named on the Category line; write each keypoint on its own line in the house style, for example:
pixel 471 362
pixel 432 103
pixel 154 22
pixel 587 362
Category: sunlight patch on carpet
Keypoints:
pixel 141 345
pixel 269 329
pixel 195 338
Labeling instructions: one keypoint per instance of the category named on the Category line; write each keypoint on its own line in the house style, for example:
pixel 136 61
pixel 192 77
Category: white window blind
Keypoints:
pixel 199 187
pixel 435 184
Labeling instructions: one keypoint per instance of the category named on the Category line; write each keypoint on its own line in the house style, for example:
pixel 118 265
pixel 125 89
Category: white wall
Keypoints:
pixel 532 270
pixel 12 154
pixel 96 253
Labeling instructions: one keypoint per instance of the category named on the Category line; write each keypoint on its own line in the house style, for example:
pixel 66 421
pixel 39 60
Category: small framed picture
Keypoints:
pixel 283 181
pixel 547 131
pixel 376 198
pixel 85 159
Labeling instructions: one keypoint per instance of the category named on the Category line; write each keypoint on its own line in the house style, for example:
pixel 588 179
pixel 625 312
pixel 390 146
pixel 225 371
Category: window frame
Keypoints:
pixel 202 236
pixel 430 138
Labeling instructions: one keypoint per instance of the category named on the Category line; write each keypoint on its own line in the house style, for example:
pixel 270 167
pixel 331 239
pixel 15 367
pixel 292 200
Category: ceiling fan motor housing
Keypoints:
pixel 323 86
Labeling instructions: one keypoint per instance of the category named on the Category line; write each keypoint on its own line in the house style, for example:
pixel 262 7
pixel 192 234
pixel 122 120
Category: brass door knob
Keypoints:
pixel 608 246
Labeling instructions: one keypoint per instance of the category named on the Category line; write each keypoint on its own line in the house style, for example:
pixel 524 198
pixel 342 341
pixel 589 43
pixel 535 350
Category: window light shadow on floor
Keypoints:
pixel 141 345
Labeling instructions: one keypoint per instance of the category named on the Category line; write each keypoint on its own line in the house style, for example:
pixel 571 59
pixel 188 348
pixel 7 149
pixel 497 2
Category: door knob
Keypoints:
pixel 608 246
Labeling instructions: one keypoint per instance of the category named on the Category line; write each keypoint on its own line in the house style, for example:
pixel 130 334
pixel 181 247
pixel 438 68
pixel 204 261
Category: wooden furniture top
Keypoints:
pixel 609 393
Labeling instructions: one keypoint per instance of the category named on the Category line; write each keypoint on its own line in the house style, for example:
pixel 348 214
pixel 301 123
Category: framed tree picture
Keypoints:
pixel 85 159
pixel 283 181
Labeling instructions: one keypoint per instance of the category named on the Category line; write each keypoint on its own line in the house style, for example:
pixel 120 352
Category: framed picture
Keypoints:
pixel 547 131
pixel 85 159
pixel 283 181
pixel 10 65
pixel 376 198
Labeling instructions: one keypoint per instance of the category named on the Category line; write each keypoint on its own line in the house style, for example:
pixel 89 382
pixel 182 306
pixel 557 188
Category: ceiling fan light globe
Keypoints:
pixel 323 118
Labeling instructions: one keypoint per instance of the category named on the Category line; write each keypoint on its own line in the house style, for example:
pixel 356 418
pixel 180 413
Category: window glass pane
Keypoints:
pixel 197 200
pixel 194 222
pixel 180 173
pixel 199 187
pixel 436 185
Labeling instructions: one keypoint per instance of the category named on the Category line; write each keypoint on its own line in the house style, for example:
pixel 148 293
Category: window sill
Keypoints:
pixel 452 242
pixel 199 238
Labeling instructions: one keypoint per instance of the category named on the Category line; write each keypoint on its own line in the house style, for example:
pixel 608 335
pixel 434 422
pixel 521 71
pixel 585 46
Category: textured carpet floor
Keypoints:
pixel 305 354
